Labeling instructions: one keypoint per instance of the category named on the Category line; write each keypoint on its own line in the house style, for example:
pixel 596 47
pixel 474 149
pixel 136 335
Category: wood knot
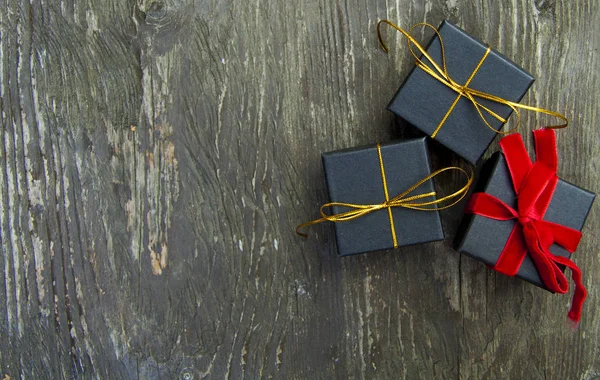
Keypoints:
pixel 545 7
pixel 153 12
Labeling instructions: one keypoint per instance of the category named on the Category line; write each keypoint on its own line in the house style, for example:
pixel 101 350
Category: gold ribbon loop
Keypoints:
pixel 441 74
pixel 422 202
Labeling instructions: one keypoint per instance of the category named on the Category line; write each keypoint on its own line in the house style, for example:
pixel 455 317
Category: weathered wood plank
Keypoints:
pixel 157 155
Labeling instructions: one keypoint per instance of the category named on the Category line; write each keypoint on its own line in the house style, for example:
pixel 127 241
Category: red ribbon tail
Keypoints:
pixel 577 303
pixel 539 237
pixel 580 293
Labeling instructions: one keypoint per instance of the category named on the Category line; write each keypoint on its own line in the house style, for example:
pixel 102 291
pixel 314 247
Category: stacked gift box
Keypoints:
pixel 520 219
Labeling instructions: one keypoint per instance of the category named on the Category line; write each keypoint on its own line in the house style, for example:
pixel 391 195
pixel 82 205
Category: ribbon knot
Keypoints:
pixel 534 184
pixel 523 220
pixel 462 90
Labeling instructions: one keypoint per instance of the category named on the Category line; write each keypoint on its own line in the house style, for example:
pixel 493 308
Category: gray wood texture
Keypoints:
pixel 156 157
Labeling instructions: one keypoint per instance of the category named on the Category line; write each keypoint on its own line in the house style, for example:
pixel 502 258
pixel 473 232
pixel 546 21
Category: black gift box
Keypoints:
pixel 484 239
pixel 354 176
pixel 423 101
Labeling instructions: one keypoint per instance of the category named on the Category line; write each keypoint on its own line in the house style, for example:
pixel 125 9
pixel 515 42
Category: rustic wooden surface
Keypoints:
pixel 157 155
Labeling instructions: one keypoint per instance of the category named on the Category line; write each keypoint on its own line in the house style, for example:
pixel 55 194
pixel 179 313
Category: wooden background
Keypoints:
pixel 156 157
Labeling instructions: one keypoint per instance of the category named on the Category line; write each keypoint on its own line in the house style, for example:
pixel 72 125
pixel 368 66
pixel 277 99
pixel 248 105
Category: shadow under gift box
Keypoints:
pixel 423 101
pixel 354 176
pixel 484 238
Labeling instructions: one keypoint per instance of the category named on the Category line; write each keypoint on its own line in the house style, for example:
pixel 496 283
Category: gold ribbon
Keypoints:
pixel 402 200
pixel 441 74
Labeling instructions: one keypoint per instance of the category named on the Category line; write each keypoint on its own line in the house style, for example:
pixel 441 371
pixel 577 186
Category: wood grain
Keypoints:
pixel 156 157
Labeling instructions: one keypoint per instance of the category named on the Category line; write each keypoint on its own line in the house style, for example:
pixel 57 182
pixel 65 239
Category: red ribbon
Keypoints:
pixel 534 184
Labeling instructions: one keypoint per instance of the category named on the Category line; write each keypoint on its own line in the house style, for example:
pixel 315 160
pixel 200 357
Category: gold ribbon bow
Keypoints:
pixel 441 74
pixel 403 200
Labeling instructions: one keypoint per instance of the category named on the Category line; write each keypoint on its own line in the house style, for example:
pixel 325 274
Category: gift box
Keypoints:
pixel 357 175
pixel 484 238
pixel 441 112
pixel 544 219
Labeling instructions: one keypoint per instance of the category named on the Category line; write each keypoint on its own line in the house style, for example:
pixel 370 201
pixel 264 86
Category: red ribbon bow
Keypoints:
pixel 534 184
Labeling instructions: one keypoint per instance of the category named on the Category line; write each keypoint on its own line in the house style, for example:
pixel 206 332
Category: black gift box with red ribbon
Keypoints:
pixel 424 101
pixel 523 220
pixel 484 238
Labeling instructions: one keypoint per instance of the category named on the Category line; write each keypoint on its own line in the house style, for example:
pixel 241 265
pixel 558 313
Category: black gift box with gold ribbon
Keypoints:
pixel 445 115
pixel 355 176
